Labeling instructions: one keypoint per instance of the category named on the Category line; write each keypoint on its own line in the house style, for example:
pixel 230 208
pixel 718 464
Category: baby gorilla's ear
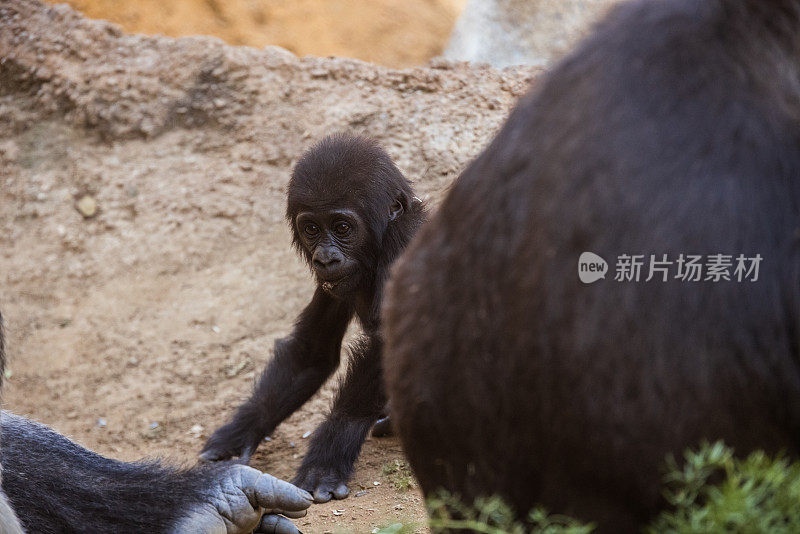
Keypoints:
pixel 397 207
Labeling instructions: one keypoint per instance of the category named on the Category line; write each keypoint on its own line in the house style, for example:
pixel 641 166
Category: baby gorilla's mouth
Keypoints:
pixel 330 285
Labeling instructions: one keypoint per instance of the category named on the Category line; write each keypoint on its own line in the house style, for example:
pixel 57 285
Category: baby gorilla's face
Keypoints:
pixel 334 240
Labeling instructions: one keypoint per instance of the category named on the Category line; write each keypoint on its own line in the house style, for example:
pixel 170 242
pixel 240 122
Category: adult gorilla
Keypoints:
pixel 674 129
pixel 9 524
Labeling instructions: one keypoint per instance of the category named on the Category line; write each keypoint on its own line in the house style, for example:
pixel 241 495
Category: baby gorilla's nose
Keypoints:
pixel 327 260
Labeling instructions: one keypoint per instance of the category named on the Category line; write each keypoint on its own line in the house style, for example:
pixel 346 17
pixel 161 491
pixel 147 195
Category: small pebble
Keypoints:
pixel 376 483
pixel 87 206
pixel 101 423
pixel 306 434
pixel 235 370
pixel 360 493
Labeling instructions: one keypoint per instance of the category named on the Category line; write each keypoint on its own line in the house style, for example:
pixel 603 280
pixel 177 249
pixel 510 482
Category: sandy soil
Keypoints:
pixel 137 331
pixel 398 33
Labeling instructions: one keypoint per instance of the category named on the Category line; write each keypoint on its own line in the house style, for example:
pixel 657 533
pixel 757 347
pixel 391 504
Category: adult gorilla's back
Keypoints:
pixel 673 129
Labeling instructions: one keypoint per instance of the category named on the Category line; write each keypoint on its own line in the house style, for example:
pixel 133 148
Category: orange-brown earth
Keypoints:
pixel 398 33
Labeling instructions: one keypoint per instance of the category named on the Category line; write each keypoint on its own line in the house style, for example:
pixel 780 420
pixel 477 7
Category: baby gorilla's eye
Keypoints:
pixel 341 228
pixel 311 229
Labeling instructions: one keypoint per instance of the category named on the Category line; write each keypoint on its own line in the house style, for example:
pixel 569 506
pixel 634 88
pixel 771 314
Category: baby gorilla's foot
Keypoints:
pixel 227 443
pixel 323 483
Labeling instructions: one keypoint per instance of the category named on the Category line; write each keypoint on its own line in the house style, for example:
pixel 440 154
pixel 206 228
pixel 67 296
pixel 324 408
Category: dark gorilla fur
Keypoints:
pixel 9 524
pixel 57 486
pixel 674 129
pixel 350 179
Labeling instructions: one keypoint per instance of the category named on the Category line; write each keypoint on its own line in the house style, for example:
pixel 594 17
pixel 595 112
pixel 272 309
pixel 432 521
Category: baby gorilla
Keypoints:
pixel 54 485
pixel 352 212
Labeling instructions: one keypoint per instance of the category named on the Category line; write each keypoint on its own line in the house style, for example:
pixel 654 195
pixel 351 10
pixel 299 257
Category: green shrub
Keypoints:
pixel 756 495
pixel 493 516
pixel 399 474
pixel 396 528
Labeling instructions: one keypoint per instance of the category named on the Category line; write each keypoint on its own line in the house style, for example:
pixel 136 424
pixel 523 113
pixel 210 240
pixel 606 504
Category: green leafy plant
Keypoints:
pixel 493 516
pixel 712 491
pixel 396 528
pixel 399 474
pixel 755 495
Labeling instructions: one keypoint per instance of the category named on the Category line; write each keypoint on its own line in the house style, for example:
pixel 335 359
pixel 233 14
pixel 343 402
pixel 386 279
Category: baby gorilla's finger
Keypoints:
pixel 341 491
pixel 322 495
pixel 275 524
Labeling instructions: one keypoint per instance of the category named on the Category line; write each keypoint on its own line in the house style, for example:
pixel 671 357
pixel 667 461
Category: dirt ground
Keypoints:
pixel 137 331
pixel 397 33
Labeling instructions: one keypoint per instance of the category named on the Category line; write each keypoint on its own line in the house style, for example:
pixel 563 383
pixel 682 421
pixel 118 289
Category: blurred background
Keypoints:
pixel 395 33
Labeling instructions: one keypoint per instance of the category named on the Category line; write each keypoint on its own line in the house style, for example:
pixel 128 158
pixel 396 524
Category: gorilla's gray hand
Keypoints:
pixel 238 500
